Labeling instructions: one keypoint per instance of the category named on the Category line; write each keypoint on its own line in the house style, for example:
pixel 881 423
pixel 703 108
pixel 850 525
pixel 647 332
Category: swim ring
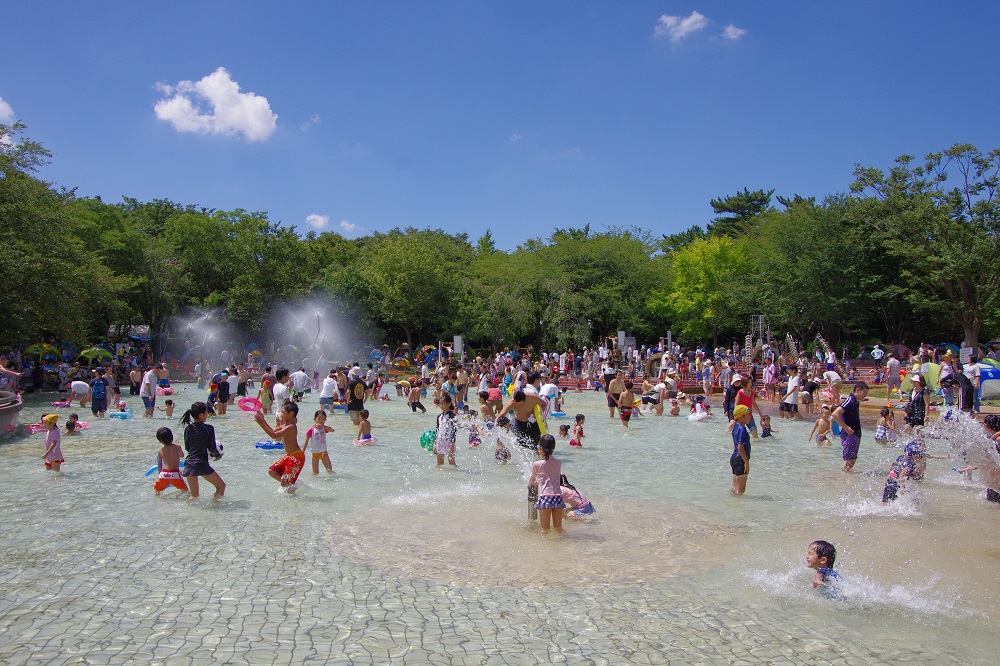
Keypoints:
pixel 34 427
pixel 270 444
pixel 60 404
pixel 556 414
pixel 152 470
pixel 164 390
pixel 366 442
pixel 127 414
pixel 427 440
pixel 249 404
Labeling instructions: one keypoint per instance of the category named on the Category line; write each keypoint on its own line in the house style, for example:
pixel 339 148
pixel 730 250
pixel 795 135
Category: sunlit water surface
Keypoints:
pixel 391 560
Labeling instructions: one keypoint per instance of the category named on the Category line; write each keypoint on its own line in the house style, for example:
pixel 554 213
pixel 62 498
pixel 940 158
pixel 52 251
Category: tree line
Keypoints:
pixel 908 253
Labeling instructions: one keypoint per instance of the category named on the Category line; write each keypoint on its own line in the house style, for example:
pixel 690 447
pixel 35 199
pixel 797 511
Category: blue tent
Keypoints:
pixel 989 381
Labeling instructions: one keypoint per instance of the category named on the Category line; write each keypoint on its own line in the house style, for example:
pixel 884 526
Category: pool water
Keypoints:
pixel 391 560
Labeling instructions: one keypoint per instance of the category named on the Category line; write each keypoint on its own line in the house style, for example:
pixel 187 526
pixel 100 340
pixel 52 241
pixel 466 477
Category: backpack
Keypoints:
pixel 99 390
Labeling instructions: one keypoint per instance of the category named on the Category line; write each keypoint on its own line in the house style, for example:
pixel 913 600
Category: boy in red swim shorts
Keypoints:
pixel 286 470
pixel 168 463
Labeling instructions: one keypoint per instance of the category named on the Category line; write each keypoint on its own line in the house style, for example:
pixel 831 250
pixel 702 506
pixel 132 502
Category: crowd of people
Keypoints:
pixel 515 392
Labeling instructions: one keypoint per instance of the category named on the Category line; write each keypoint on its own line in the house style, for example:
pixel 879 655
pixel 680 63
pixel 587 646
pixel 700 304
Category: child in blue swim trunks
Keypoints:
pixel 364 427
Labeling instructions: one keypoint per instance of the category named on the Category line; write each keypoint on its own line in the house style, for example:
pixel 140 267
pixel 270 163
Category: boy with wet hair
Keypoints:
pixel 286 470
pixel 821 556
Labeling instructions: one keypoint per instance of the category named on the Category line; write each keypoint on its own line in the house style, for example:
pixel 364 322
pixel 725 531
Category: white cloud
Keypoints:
pixel 515 138
pixel 314 119
pixel 6 113
pixel 731 32
pixel 215 105
pixel 317 221
pixel 349 227
pixel 679 27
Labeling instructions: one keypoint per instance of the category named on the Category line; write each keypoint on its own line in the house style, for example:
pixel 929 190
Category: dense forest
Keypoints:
pixel 907 253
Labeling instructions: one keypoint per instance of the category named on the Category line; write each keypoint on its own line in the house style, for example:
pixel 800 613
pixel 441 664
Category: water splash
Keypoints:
pixel 922 595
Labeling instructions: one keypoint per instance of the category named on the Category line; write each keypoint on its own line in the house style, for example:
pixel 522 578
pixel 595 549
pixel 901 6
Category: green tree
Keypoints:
pixel 408 281
pixel 681 239
pixel 806 280
pixel 736 213
pixel 52 283
pixel 707 294
pixel 948 237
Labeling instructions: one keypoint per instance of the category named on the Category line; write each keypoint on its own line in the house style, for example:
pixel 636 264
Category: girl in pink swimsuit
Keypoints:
pixel 53 454
pixel 545 475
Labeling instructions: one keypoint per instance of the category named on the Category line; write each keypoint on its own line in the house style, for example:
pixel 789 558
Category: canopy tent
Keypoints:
pixel 41 348
pixel 989 381
pixel 95 352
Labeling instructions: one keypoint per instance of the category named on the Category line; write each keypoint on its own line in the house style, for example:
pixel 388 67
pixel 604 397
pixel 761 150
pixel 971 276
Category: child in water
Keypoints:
pixel 576 504
pixel 444 444
pixel 167 409
pixel 578 431
pixel 475 434
pixel 545 475
pixel 364 429
pixel 564 431
pixel 991 473
pixel 739 461
pixel 885 427
pixel 413 398
pixel 264 396
pixel 625 404
pixel 213 398
pixel 317 435
pixel 765 427
pixel 72 424
pixel 821 556
pixel 822 427
pixel 168 463
pixel 905 467
pixel 286 469
pixel 502 454
pixel 52 457
pixel 199 442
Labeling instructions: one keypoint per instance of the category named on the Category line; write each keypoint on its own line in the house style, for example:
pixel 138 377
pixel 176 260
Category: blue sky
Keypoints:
pixel 518 117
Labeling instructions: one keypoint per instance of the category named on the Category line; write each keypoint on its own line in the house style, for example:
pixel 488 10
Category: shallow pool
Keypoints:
pixel 391 560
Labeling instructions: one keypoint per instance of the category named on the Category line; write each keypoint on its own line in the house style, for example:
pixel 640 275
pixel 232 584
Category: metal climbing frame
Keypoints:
pixel 760 328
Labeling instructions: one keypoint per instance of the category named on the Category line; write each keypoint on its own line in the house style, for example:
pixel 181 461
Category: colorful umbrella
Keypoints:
pixel 96 352
pixel 41 348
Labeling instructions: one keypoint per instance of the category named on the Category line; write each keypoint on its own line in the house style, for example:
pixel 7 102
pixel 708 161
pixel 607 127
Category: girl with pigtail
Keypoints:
pixel 199 443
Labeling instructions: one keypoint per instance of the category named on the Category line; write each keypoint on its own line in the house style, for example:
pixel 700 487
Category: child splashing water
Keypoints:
pixel 545 474
pixel 317 435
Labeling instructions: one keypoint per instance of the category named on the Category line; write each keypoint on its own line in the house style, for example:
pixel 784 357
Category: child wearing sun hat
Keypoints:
pixel 52 457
